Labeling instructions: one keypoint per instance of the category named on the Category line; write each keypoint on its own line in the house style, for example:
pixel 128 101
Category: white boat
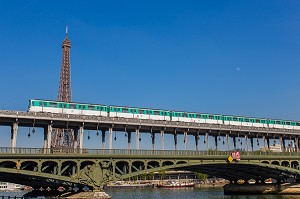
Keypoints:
pixel 6 186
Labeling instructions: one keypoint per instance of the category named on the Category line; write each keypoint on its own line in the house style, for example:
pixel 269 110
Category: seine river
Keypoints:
pixel 212 193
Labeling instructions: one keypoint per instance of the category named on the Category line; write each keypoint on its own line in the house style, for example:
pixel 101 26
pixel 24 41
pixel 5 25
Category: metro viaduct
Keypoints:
pixel 79 123
pixel 95 168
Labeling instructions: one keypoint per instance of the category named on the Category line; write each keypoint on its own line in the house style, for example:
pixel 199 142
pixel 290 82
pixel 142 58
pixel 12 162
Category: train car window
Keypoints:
pixel 52 104
pixel 140 111
pixel 298 123
pixel 293 123
pixel 155 113
pixel 211 117
pixel 263 121
pixel 204 116
pixel 235 119
pixel 246 119
pixel 72 106
pixel 184 115
pixel 241 119
pixel 125 110
pixel 91 107
pixel 36 103
pixel 47 104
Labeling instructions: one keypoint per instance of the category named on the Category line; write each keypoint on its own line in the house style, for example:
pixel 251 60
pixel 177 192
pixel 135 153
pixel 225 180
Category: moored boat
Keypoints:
pixel 176 184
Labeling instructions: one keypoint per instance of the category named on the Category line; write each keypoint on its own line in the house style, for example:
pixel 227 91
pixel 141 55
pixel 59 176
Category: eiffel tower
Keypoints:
pixel 64 137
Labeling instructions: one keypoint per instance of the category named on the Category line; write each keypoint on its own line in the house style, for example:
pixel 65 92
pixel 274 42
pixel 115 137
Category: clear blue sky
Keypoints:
pixel 230 57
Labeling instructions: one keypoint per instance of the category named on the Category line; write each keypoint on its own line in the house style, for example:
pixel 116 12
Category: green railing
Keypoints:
pixel 120 152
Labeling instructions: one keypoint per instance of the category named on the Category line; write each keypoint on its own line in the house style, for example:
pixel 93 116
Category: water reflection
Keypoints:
pixel 213 193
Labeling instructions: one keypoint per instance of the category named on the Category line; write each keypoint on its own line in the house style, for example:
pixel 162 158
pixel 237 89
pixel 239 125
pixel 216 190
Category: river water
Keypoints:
pixel 207 193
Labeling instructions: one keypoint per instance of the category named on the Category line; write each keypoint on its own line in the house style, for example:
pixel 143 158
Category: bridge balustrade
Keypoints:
pixel 71 151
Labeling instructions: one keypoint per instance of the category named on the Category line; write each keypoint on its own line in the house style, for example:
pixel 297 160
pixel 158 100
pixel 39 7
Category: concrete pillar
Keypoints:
pixel 268 143
pixel 75 138
pixel 227 141
pixel 234 142
pixel 129 139
pixel 296 144
pixel 251 142
pixel 81 129
pixel 14 132
pixel 196 141
pixel 45 138
pixel 281 141
pixel 246 142
pixel 162 134
pixel 49 137
pixel 153 140
pixel 175 141
pixel 185 139
pixel 110 138
pixel 216 142
pixel 103 138
pixel 206 141
pixel 137 138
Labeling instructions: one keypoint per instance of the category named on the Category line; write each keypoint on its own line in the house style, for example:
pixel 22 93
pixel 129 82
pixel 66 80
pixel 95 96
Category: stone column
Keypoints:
pixel 137 138
pixel 268 143
pixel 251 142
pixel 81 129
pixel 227 141
pixel 216 142
pixel 246 140
pixel 129 139
pixel 45 138
pixel 49 137
pixel 281 141
pixel 175 141
pixel 14 133
pixel 110 138
pixel 75 138
pixel 296 144
pixel 196 141
pixel 162 134
pixel 206 141
pixel 185 139
pixel 153 140
pixel 234 142
pixel 103 138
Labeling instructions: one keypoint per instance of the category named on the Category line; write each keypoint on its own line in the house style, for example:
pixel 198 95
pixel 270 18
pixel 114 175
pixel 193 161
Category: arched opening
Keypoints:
pixel 152 164
pixel 265 162
pixel 295 165
pixel 8 164
pixel 85 164
pixel 285 164
pixel 275 163
pixel 29 166
pixel 138 166
pixel 181 162
pixel 167 163
pixel 68 168
pixel 50 167
pixel 122 167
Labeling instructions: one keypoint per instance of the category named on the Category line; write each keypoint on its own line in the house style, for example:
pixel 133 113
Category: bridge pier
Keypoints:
pixel 103 138
pixel 153 140
pixel 129 139
pixel 137 139
pixel 110 138
pixel 75 138
pixel 14 132
pixel 175 140
pixel 246 143
pixel 251 143
pixel 216 142
pixel 296 144
pixel 234 142
pixel 227 141
pixel 185 139
pixel 206 140
pixel 196 142
pixel 162 134
pixel 81 129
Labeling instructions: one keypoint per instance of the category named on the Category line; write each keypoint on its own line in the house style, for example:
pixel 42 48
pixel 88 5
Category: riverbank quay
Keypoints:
pixel 258 189
pixel 67 195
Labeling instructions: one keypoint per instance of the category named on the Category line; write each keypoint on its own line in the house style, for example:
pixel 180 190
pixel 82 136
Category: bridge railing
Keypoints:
pixel 93 152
